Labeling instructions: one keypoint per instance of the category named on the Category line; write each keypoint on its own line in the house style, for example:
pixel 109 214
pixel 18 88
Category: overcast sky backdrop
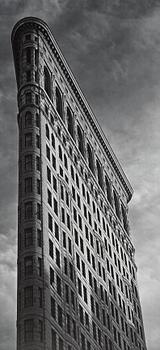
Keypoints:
pixel 113 48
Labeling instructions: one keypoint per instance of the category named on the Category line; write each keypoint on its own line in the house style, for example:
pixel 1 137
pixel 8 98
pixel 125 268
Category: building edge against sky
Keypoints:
pixel 77 286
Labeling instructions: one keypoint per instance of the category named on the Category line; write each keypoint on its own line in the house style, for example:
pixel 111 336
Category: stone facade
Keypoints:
pixel 77 286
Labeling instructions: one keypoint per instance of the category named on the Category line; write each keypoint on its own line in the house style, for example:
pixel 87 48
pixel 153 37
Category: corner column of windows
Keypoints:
pixel 29 222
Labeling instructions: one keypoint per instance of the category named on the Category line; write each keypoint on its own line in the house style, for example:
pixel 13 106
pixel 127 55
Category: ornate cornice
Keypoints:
pixel 39 25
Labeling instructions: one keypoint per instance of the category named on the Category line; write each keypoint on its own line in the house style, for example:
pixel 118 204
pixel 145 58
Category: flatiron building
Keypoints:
pixel 77 285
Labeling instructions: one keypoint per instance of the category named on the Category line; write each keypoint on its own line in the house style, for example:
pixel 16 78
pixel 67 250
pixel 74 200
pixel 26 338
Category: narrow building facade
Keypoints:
pixel 77 285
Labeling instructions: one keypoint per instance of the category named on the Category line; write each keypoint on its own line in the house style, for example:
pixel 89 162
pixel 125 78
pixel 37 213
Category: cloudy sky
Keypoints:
pixel 113 48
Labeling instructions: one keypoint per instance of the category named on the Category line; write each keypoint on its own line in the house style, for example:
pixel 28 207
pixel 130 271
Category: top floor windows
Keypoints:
pixel 80 138
pixel 109 191
pixel 99 173
pixel 116 203
pixel 90 157
pixel 70 122
pixel 47 81
pixel 59 105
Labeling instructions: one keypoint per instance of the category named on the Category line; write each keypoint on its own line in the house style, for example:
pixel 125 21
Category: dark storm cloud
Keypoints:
pixel 113 48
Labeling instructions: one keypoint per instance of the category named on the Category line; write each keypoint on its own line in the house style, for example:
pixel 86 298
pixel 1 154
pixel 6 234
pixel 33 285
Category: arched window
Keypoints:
pixel 47 132
pixel 90 157
pixel 116 204
pixel 124 216
pixel 28 119
pixel 80 140
pixel 70 122
pixel 99 173
pixel 47 81
pixel 59 106
pixel 109 191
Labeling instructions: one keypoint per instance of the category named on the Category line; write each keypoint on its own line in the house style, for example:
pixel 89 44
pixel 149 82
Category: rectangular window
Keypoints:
pixel 28 97
pixel 53 308
pixel 66 293
pixel 38 186
pixel 49 199
pixel 28 140
pixel 28 210
pixel 83 269
pixel 94 331
pixel 57 257
pixel 51 248
pixel 37 141
pixel 38 211
pixel 39 267
pixel 59 287
pixel 81 245
pixel 60 316
pixel 68 222
pixel 50 222
pixel 28 237
pixel 56 231
pixel 28 296
pixel 28 162
pixel 79 287
pixel 54 183
pixel 68 326
pixel 63 215
pixel 78 261
pixel 28 266
pixel 71 272
pixel 40 330
pixel 69 246
pixel 80 222
pixel 48 152
pixel 48 174
pixel 40 297
pixel 55 203
pixel 28 330
pixel 54 341
pixel 85 294
pixel 76 236
pixel 65 266
pixel 72 299
pixel 81 314
pixel 39 238
pixel 51 276
pixel 53 161
pixel 28 76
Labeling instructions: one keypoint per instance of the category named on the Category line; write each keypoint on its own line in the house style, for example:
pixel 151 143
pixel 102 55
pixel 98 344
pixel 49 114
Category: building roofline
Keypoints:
pixel 41 25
